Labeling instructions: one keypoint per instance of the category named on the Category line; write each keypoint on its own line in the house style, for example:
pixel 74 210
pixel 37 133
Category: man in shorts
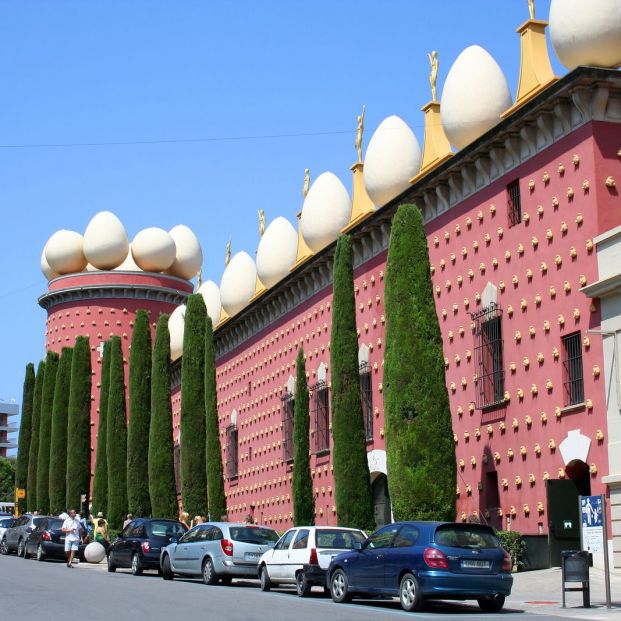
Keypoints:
pixel 72 527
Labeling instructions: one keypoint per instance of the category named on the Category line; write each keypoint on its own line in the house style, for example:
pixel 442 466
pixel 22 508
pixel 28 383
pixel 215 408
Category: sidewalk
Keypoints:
pixel 540 592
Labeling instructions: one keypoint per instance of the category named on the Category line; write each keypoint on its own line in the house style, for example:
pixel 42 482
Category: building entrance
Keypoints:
pixel 381 501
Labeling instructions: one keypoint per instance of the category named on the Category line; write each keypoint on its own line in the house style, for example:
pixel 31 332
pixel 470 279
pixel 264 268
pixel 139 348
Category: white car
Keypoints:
pixel 302 555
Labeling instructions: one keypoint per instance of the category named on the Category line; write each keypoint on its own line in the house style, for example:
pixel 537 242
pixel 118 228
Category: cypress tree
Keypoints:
pixel 25 429
pixel 352 485
pixel 193 467
pixel 100 478
pixel 117 438
pixel 45 432
pixel 215 480
pixel 303 498
pixel 33 453
pixel 162 484
pixel 58 442
pixel 419 440
pixel 78 476
pixel 139 417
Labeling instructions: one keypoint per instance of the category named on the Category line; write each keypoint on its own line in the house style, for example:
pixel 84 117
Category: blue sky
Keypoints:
pixel 239 74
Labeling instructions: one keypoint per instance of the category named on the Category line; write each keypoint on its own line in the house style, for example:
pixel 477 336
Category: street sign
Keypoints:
pixel 20 493
pixel 592 523
pixel 83 498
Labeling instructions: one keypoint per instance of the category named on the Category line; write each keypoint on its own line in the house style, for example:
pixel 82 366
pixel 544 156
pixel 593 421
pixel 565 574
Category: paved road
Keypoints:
pixel 49 590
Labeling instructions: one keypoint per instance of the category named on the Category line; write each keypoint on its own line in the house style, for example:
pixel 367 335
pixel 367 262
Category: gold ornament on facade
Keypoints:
pixel 555 201
pixel 518 481
pixel 526 217
pixel 570 193
pixel 579 219
pixel 586 185
pixel 610 182
pixel 492 208
pixel 531 185
pixel 537 449
pixel 546 177
pixel 528 420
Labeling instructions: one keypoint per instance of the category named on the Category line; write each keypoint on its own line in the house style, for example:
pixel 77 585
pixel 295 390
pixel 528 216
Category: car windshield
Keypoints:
pixel 54 524
pixel 337 538
pixel 466 536
pixel 36 521
pixel 253 534
pixel 167 529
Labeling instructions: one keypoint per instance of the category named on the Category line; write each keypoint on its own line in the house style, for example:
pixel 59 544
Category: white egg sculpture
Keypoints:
pixel 238 283
pixel 105 241
pixel 277 251
pixel 326 211
pixel 129 265
pixel 94 552
pixel 211 294
pixel 48 272
pixel 393 157
pixel 189 256
pixel 475 94
pixel 64 252
pixel 153 249
pixel 176 325
pixel 586 32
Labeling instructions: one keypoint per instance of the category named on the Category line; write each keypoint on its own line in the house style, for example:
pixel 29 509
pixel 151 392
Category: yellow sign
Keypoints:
pixel 20 493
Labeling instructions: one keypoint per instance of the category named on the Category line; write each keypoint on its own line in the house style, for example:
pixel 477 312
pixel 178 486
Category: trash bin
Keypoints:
pixel 575 568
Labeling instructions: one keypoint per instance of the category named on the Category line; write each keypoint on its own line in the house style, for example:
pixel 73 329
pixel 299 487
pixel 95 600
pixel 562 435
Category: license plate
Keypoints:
pixel 252 556
pixel 475 564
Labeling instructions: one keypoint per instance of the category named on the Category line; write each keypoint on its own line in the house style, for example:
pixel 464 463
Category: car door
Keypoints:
pixel 297 555
pixel 279 559
pixel 122 545
pixel 366 569
pixel 197 548
pixel 401 555
pixel 179 557
pixel 16 532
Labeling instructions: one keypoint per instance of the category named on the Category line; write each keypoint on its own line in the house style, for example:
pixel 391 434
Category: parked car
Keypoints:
pixel 5 522
pixel 47 540
pixel 14 538
pixel 302 556
pixel 139 545
pixel 417 561
pixel 218 551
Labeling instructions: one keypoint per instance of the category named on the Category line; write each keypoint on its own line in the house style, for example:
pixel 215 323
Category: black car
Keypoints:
pixel 138 546
pixel 47 540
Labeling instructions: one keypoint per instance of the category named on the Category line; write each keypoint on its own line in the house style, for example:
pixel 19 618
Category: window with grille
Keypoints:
pixel 321 411
pixel 367 399
pixel 288 407
pixel 514 203
pixel 489 356
pixel 231 452
pixel 573 377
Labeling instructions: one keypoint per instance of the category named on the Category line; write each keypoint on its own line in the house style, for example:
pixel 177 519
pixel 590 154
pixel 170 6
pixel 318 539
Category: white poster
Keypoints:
pixel 592 518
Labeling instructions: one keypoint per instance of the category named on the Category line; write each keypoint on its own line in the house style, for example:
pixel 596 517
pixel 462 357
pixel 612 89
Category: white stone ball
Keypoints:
pixel 48 272
pixel 153 249
pixel 189 256
pixel 211 294
pixel 105 241
pixel 129 265
pixel 586 32
pixel 176 325
pixel 393 157
pixel 64 252
pixel 238 283
pixel 326 211
pixel 94 552
pixel 475 94
pixel 277 251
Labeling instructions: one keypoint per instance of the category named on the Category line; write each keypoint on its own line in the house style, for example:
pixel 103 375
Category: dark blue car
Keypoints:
pixel 418 561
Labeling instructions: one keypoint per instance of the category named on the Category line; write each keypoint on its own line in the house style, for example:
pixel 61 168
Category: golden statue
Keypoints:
pixel 433 76
pixel 359 133
pixel 199 278
pixel 306 182
pixel 227 256
pixel 531 8
pixel 261 222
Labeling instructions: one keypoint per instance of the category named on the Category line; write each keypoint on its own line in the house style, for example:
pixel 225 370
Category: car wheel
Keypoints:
pixel 40 553
pixel 491 604
pixel 167 572
pixel 209 573
pixel 302 587
pixel 4 548
pixel 339 586
pixel 264 578
pixel 137 567
pixel 111 565
pixel 410 595
pixel 21 548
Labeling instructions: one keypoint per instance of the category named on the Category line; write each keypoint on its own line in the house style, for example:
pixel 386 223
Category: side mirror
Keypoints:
pixel 357 546
pixel 173 540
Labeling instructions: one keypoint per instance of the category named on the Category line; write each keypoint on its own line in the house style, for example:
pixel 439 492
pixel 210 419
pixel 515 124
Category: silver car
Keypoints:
pixel 217 551
pixel 14 538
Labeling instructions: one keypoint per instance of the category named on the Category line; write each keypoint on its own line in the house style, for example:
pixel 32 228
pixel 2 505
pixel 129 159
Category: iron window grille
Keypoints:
pixel 321 412
pixel 231 452
pixel 288 408
pixel 514 203
pixel 489 356
pixel 366 395
pixel 573 376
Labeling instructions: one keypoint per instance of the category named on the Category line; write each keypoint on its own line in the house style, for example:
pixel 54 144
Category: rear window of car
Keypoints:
pixel 167 529
pixel 467 536
pixel 336 538
pixel 36 521
pixel 250 534
pixel 54 524
pixel 6 523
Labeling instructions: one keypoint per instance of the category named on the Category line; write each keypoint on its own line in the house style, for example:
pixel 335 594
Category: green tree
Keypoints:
pixel 100 478
pixel 139 417
pixel 162 484
pixel 25 429
pixel 58 442
pixel 7 479
pixel 78 477
pixel 303 497
pixel 419 440
pixel 33 454
pixel 215 480
pixel 193 467
pixel 352 485
pixel 117 438
pixel 45 432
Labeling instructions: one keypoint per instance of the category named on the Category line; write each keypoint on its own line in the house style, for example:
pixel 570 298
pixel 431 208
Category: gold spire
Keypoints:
pixel 304 252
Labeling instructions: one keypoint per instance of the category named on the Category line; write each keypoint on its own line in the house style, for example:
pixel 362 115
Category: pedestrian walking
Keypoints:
pixel 72 528
pixel 129 518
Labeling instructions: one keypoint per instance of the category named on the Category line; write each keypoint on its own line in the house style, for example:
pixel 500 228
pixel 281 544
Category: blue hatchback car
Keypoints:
pixel 418 561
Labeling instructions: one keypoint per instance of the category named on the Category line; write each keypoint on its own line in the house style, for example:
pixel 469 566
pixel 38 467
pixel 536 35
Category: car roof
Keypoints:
pixel 236 524
pixel 327 527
